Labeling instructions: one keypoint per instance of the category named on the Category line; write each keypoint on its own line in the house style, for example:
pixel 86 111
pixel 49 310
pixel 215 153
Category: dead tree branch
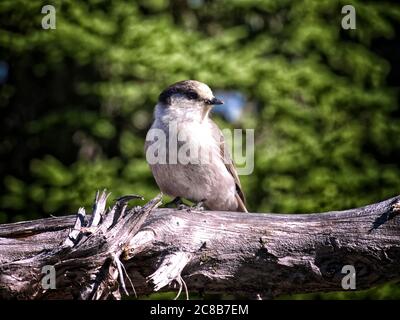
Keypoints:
pixel 126 250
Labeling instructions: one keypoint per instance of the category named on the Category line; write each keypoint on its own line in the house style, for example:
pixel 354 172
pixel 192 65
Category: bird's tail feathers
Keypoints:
pixel 241 205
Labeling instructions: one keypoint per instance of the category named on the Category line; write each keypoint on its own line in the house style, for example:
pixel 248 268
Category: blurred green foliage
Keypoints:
pixel 79 99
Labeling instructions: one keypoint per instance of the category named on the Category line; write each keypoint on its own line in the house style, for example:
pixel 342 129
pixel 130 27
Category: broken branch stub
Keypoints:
pixel 89 254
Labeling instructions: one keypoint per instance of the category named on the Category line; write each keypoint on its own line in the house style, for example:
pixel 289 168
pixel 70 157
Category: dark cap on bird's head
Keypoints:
pixel 191 90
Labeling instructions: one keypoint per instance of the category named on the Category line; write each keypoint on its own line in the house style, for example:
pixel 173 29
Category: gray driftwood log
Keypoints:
pixel 110 252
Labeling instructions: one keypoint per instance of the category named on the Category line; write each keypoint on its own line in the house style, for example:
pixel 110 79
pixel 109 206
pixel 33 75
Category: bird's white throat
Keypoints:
pixel 188 126
pixel 176 112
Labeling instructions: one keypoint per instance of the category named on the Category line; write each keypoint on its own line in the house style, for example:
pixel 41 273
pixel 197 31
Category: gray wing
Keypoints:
pixel 230 166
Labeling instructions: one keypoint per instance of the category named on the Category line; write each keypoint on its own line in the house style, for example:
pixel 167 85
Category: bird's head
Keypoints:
pixel 189 96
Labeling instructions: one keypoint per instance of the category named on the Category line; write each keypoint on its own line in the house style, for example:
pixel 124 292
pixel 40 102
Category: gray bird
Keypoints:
pixel 209 177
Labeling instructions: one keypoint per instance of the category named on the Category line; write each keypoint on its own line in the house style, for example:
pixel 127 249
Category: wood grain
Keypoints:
pixel 208 252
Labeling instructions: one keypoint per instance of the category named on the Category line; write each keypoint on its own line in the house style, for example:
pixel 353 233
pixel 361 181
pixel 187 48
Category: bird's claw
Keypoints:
pixel 177 202
pixel 199 206
pixel 174 203
pixel 184 207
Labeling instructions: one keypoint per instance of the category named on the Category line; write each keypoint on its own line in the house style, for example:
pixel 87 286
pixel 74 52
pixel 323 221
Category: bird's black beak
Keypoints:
pixel 215 101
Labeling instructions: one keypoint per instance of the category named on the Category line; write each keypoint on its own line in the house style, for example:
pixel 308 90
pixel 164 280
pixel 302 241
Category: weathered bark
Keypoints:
pixel 248 254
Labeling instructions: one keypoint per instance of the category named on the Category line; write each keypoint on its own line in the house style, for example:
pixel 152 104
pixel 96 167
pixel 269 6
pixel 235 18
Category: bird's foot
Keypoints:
pixel 183 206
pixel 174 203
pixel 178 203
pixel 199 206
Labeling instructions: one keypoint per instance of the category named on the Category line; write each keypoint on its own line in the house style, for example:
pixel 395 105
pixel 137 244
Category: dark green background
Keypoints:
pixel 78 100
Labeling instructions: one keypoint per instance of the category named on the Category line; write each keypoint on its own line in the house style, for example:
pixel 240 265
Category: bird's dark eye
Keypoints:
pixel 192 95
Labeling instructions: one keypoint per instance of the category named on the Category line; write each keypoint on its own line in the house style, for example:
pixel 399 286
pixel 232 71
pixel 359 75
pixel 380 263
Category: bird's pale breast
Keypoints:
pixel 207 178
